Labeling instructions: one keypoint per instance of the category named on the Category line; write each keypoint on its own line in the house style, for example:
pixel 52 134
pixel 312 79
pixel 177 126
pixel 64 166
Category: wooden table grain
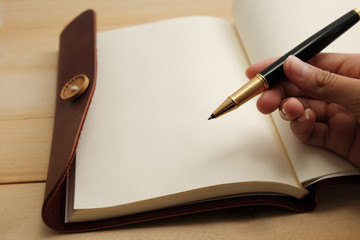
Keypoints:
pixel 29 39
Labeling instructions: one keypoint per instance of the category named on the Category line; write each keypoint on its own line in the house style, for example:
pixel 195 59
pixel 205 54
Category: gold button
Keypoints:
pixel 75 87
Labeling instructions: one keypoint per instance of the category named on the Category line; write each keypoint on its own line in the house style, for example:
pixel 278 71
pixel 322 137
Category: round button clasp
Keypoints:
pixel 75 87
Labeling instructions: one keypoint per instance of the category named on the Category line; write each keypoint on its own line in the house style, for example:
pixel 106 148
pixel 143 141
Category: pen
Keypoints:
pixel 304 51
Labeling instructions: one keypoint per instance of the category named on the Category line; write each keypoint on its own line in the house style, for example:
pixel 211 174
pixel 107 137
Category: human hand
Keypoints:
pixel 321 101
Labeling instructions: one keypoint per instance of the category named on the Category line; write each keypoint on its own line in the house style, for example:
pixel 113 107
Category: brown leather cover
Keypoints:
pixel 77 54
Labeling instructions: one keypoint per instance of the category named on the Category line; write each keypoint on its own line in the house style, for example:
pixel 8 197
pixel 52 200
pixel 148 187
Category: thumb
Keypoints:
pixel 323 85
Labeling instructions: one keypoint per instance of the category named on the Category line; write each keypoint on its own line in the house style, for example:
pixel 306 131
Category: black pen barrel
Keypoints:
pixel 311 46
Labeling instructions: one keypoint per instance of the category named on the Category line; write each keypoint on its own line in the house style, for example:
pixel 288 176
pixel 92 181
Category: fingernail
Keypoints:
pixel 296 66
pixel 283 108
pixel 283 113
pixel 304 117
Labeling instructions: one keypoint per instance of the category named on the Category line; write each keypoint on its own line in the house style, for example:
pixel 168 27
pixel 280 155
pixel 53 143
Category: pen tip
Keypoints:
pixel 211 117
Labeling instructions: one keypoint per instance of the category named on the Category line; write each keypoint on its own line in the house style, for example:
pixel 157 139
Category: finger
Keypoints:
pixel 271 99
pixel 307 130
pixel 308 119
pixel 304 119
pixel 325 125
pixel 323 111
pixel 340 63
pixel 324 85
pixel 336 134
pixel 291 109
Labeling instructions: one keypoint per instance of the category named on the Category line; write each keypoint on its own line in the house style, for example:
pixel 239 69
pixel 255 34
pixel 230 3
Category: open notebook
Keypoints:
pixel 146 143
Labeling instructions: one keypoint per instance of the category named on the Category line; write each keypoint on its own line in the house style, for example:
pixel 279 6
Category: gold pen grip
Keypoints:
pixel 244 94
pixel 252 88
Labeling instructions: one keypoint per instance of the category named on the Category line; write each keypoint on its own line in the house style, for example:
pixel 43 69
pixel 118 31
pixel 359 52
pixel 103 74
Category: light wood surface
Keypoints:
pixel 29 38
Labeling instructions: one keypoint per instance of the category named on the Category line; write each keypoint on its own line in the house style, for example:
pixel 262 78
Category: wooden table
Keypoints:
pixel 29 38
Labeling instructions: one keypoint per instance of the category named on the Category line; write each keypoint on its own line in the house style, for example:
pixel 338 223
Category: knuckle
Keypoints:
pixel 325 82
